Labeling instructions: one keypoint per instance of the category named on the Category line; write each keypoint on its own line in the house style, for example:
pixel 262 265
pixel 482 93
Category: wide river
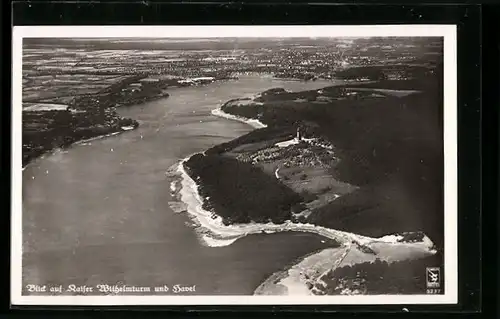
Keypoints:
pixel 99 213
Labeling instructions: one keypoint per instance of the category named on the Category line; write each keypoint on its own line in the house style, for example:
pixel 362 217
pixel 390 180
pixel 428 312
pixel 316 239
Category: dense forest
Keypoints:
pixel 381 277
pixel 391 147
pixel 45 131
pixel 246 194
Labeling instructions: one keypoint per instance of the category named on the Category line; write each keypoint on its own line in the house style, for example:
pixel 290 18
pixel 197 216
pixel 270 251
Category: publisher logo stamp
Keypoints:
pixel 433 277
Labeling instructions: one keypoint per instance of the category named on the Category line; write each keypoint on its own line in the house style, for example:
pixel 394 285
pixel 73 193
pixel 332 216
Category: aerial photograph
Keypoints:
pixel 232 166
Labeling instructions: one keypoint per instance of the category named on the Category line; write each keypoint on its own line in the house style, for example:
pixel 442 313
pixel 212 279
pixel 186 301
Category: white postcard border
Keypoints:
pixel 450 156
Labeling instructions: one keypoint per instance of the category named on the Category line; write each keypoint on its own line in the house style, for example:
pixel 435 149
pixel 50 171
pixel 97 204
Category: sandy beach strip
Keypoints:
pixel 294 279
pixel 299 278
pixel 252 122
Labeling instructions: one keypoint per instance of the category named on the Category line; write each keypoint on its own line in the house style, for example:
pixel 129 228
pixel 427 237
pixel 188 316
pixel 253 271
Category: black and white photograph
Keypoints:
pixel 200 165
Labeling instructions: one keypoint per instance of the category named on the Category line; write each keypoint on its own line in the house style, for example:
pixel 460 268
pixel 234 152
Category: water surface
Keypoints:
pixel 99 213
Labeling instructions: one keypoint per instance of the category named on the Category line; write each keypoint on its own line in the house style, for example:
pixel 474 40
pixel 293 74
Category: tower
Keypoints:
pixel 299 137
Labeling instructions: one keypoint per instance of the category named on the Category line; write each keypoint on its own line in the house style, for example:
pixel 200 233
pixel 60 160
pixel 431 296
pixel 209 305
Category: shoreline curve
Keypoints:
pixel 213 233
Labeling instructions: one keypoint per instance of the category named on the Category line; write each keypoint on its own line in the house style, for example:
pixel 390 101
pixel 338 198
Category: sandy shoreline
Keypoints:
pixel 252 122
pixel 276 284
pixel 212 226
pixel 306 276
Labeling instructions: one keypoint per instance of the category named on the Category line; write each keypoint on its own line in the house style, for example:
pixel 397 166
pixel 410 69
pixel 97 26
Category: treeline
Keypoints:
pixel 277 95
pixel 381 277
pixel 378 211
pixel 241 192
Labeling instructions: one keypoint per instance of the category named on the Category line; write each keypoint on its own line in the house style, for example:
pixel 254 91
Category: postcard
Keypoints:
pixel 234 165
